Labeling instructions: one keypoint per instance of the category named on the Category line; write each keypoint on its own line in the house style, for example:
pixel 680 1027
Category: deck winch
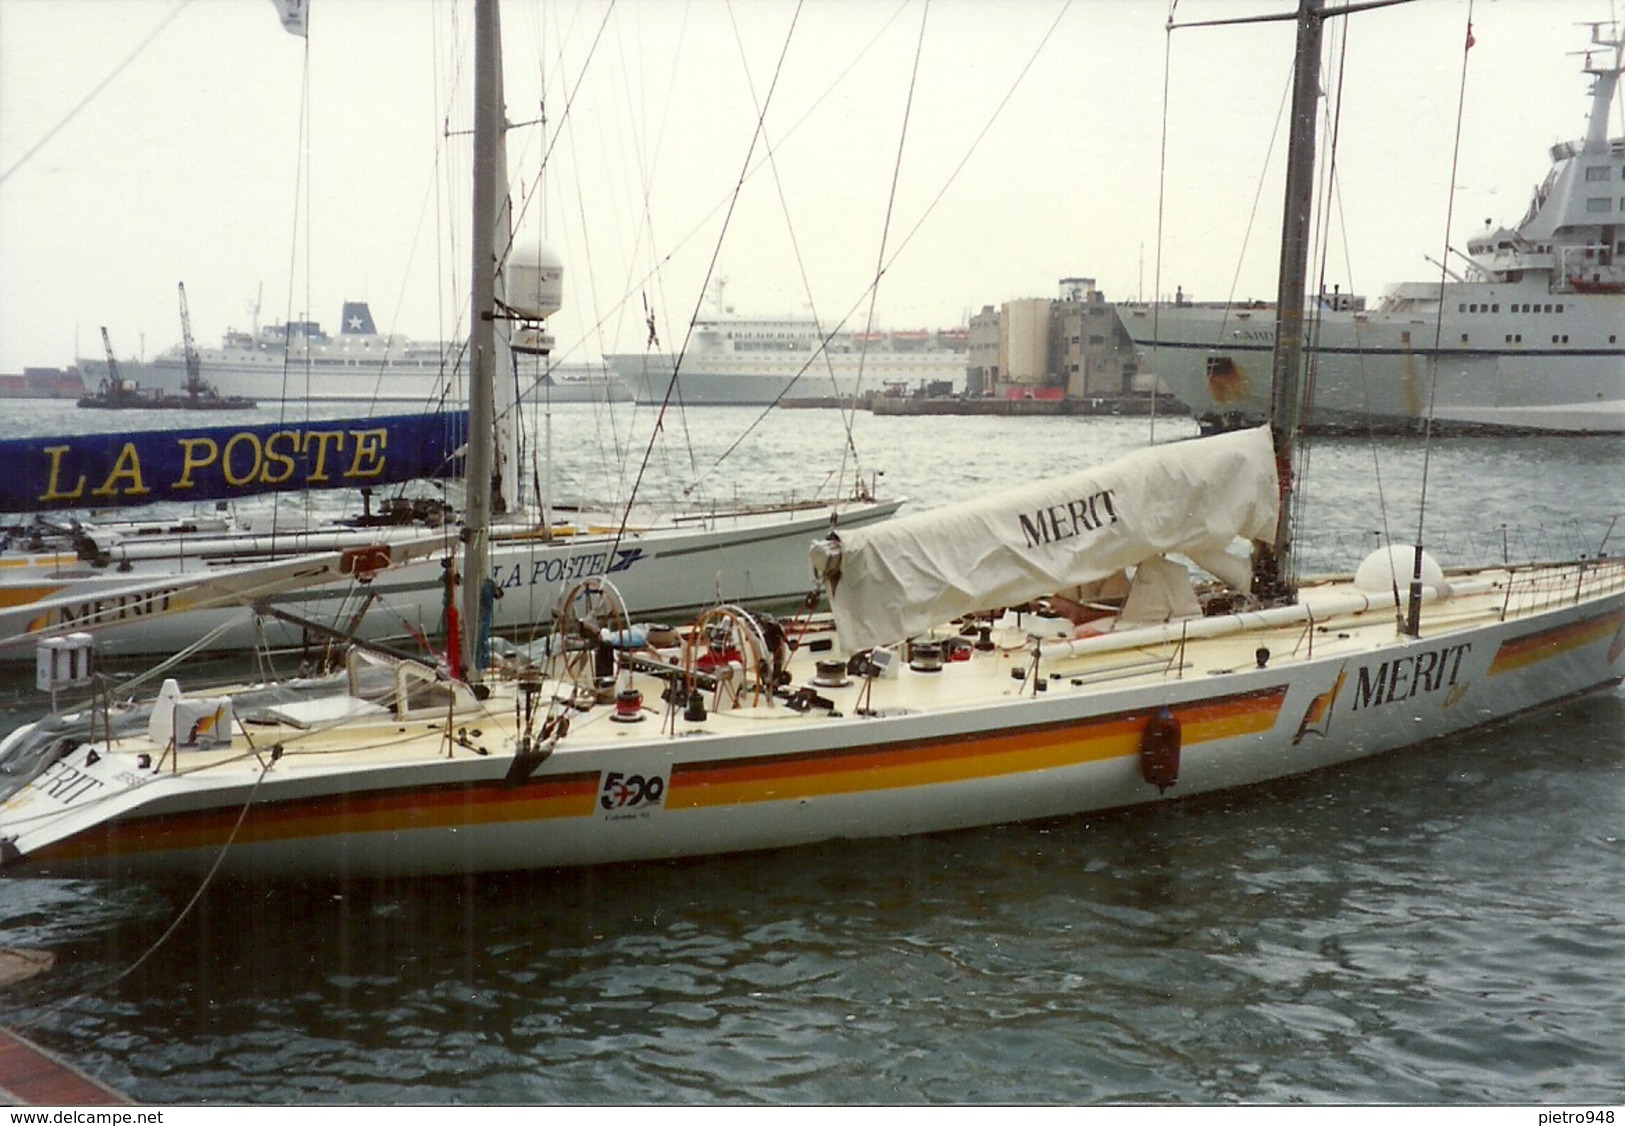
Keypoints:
pixel 925 656
pixel 628 706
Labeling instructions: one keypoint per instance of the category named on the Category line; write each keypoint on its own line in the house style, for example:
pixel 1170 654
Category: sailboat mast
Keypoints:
pixel 482 333
pixel 1273 572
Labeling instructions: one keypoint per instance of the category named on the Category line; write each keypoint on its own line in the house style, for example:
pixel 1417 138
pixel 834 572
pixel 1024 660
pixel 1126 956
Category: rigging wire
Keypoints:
pixel 647 226
pixel 203 885
pixel 1414 608
pixel 1333 110
pixel 618 441
pixel 701 224
pixel 751 169
pixel 1252 214
pixel 552 137
pixel 1162 197
pixel 301 209
pixel 891 204
pixel 590 259
pixel 710 271
pixel 839 326
pixel 821 351
pixel 95 91
pixel 886 225
pixel 440 187
pixel 655 274
pixel 834 84
pixel 1334 200
pixel 848 412
pixel 919 223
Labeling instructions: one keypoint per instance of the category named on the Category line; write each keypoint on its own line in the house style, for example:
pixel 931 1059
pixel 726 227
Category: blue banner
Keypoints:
pixel 223 462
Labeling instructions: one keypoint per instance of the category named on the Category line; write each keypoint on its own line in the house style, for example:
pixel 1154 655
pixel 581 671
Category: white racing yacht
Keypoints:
pixel 1029 654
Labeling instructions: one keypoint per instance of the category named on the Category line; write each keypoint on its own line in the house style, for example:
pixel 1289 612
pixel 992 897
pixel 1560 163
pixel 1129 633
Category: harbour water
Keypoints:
pixel 1438 926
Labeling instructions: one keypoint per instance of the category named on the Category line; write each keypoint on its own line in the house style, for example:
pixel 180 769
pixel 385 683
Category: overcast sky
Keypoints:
pixel 146 142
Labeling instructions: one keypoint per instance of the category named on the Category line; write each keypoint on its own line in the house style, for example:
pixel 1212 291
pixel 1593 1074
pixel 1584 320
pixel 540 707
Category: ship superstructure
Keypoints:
pixel 731 358
pixel 1528 337
pixel 300 361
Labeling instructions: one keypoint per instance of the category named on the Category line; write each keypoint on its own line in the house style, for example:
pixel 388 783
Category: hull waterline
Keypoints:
pixel 965 745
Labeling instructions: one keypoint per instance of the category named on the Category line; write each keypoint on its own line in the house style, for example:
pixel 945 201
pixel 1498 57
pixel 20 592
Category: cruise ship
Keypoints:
pixel 733 359
pixel 1527 338
pixel 301 362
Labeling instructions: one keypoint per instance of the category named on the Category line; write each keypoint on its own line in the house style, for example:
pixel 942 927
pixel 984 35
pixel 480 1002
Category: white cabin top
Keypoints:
pixel 1574 230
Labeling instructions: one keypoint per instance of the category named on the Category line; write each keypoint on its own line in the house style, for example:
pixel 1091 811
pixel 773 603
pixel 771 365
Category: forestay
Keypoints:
pixel 895 580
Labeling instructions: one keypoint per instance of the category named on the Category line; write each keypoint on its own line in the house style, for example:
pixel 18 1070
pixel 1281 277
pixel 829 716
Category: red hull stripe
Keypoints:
pixel 692 785
pixel 1520 652
pixel 405 810
pixel 959 757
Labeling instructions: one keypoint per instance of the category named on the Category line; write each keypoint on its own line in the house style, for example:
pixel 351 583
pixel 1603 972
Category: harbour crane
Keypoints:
pixel 113 391
pixel 194 362
pixel 113 380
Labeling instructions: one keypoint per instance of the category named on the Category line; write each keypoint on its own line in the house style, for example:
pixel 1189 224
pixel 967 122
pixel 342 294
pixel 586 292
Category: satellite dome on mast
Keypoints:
pixel 535 277
pixel 535 282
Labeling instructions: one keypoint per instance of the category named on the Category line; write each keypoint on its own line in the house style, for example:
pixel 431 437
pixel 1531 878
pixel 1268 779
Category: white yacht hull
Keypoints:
pixel 759 559
pixel 968 745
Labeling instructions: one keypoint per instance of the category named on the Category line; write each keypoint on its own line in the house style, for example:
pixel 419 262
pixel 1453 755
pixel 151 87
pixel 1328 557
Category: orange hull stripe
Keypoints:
pixel 25 595
pixel 390 811
pixel 1520 652
pixel 959 758
pixel 692 786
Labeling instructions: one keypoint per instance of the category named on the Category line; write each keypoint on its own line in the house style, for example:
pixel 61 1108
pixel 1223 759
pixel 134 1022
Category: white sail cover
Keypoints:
pixel 899 578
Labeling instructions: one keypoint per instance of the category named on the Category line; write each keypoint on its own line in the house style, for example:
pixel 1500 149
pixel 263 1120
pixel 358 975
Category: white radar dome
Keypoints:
pixel 535 276
pixel 1387 566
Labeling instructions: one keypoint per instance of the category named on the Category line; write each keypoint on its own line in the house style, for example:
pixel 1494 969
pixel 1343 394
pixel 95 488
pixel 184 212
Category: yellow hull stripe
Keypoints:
pixel 400 811
pixel 1521 652
pixel 24 595
pixel 40 561
pixel 692 785
pixel 959 758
